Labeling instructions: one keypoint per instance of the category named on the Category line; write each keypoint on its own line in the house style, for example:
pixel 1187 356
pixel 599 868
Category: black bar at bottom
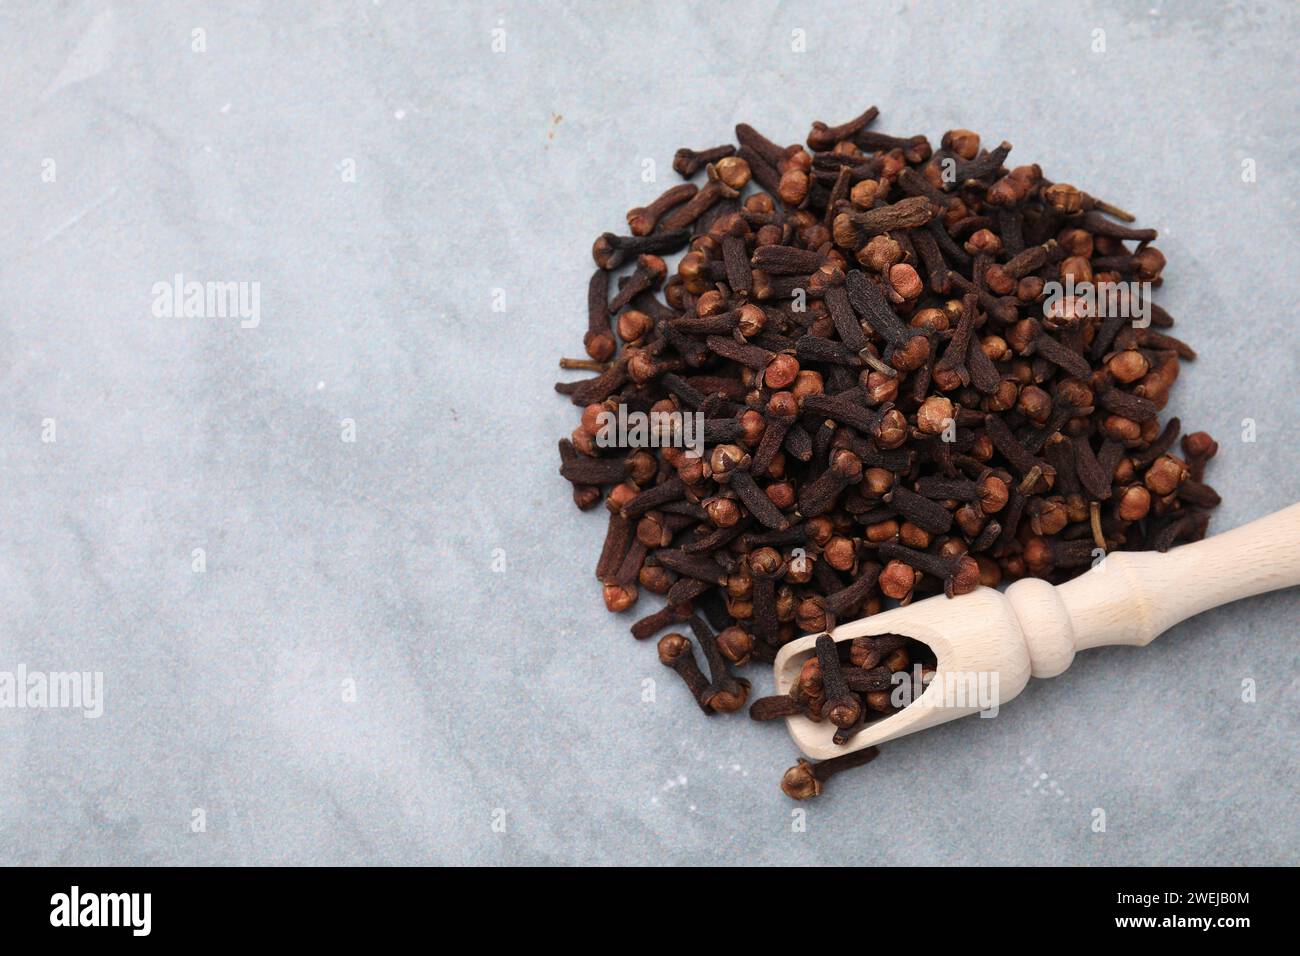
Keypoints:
pixel 339 905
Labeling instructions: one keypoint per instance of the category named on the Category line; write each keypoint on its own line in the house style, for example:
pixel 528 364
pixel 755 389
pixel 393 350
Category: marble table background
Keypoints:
pixel 396 653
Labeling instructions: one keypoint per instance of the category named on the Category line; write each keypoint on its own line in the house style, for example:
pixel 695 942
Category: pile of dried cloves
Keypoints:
pixel 913 371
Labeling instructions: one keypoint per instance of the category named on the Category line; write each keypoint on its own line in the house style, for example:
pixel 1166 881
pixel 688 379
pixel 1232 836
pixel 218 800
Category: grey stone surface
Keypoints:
pixel 480 179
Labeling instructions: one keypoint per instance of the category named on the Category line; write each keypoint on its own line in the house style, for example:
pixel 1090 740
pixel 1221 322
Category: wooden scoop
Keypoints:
pixel 1035 628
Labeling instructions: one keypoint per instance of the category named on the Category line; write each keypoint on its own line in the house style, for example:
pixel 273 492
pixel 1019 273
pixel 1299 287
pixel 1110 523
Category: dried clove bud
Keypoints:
pixel 806 780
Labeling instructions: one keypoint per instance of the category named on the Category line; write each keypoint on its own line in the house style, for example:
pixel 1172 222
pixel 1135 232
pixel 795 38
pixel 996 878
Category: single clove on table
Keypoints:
pixel 917 370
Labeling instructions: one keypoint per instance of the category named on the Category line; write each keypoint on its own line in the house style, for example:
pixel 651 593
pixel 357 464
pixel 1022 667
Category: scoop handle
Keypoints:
pixel 1134 596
